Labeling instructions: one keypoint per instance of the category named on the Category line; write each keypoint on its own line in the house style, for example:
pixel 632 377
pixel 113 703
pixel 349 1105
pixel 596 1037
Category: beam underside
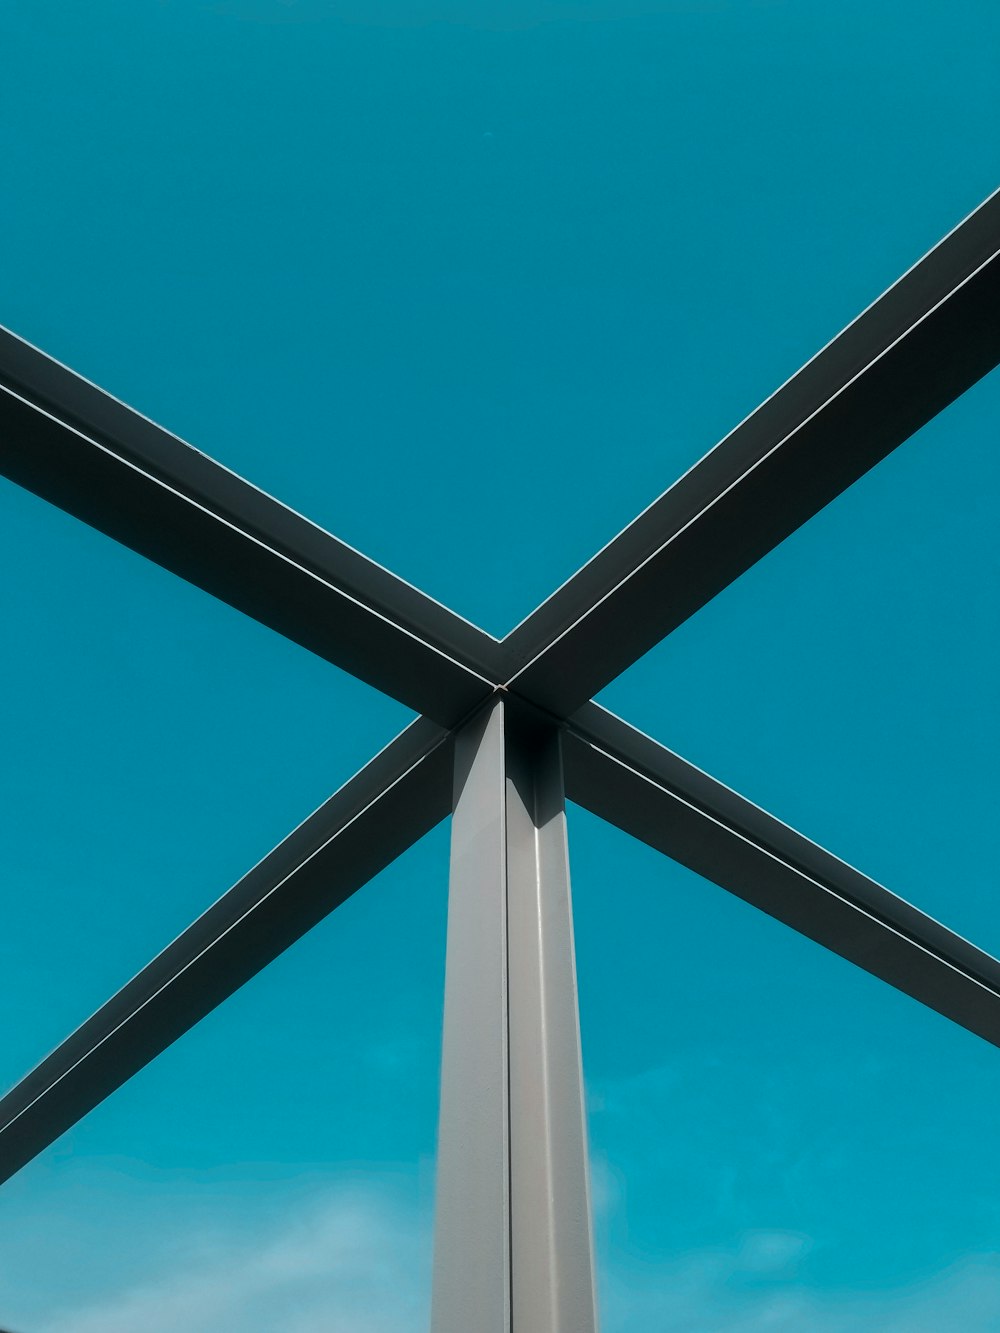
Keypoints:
pixel 711 539
pixel 84 452
pixel 746 497
pixel 930 337
pixel 631 782
pixel 365 826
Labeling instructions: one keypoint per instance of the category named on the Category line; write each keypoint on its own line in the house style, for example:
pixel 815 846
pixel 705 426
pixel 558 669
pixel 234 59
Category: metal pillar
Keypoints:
pixel 513 1250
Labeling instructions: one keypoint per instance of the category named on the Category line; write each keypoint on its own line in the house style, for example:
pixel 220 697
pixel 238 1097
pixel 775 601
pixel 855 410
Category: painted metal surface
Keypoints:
pixel 371 820
pixel 628 779
pixel 471 1286
pixel 89 454
pixel 930 337
pixel 513 1246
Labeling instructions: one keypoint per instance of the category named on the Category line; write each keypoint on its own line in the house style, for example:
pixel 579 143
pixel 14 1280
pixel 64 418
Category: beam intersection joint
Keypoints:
pixel 927 340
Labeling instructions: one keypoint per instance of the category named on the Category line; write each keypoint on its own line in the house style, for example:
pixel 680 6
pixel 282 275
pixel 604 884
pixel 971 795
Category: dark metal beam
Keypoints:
pixel 628 779
pixel 904 359
pixel 370 821
pixel 920 346
pixel 79 448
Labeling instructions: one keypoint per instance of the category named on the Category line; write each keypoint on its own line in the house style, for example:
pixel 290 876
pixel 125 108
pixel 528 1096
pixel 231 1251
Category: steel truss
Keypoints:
pixel 507 732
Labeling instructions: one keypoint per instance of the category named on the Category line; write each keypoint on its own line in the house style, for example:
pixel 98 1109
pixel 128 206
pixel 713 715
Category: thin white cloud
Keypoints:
pixel 358 1264
pixel 708 1292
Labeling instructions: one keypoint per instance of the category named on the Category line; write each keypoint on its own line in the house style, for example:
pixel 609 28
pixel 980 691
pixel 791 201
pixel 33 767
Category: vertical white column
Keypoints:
pixel 513 1250
pixel 551 1246
pixel 471 1292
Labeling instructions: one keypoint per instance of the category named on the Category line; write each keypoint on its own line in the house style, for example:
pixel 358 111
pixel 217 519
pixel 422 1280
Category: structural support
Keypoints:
pixel 513 1249
pixel 394 800
pixel 82 450
pixel 927 340
pixel 631 781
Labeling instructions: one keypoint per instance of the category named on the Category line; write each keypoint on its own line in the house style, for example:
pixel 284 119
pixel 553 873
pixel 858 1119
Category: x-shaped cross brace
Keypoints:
pixel 928 339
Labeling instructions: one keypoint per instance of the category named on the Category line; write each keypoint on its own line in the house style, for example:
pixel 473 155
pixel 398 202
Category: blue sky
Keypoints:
pixel 470 284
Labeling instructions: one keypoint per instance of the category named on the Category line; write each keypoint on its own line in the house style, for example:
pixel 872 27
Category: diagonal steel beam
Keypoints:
pixel 928 339
pixel 904 359
pixel 628 779
pixel 84 451
pixel 370 821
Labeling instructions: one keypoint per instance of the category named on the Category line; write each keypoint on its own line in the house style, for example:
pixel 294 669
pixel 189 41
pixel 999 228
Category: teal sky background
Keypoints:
pixel 470 285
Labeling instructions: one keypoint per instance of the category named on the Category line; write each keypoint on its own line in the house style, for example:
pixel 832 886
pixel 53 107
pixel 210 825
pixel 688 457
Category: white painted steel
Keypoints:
pixel 471 1287
pixel 513 1248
